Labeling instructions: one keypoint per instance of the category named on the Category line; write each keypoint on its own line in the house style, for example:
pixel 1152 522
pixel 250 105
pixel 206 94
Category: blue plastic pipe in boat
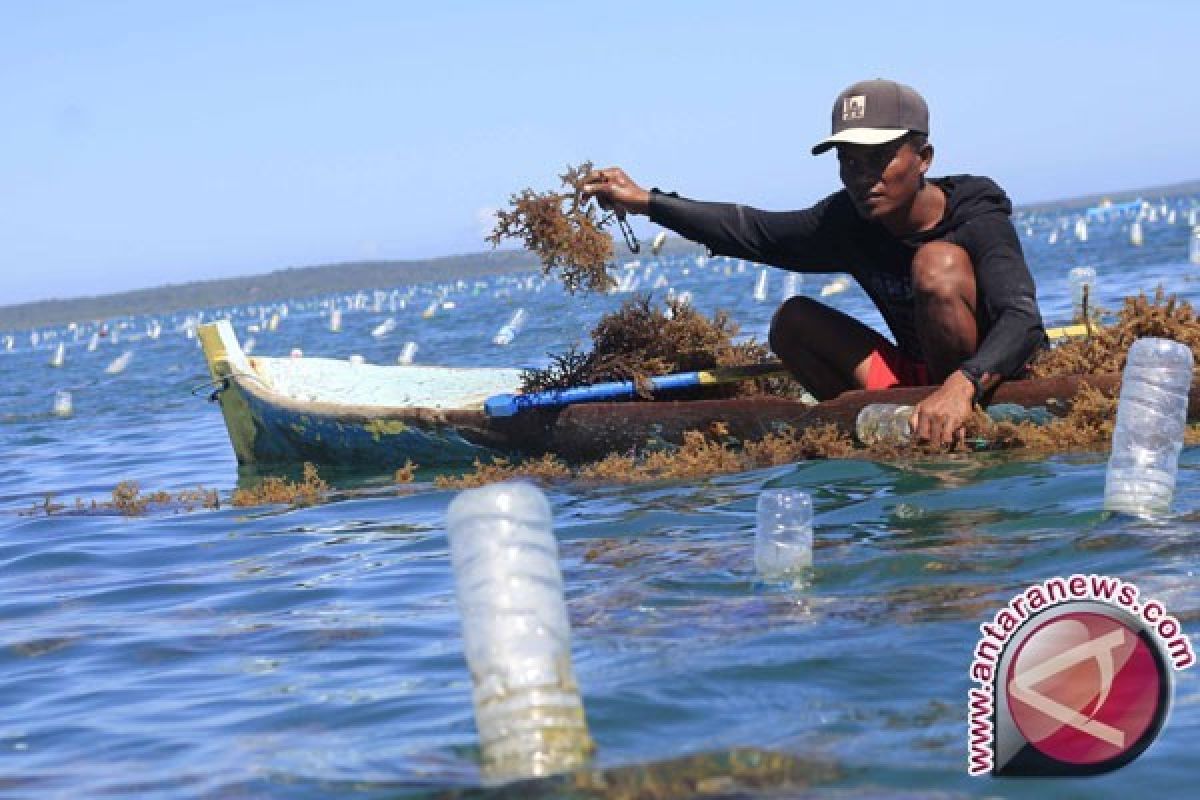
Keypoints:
pixel 507 405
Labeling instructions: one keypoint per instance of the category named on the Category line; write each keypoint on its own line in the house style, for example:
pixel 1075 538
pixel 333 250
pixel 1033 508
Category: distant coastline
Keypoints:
pixel 331 279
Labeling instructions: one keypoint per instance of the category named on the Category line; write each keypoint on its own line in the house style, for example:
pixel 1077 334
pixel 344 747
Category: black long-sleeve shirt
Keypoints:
pixel 832 237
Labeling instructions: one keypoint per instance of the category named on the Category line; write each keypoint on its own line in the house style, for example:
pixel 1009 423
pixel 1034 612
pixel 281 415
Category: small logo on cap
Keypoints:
pixel 854 107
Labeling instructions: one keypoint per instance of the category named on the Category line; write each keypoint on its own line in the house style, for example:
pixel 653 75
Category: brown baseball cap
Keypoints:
pixel 875 112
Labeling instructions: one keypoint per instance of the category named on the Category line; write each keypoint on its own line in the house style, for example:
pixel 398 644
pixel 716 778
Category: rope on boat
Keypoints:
pixel 221 384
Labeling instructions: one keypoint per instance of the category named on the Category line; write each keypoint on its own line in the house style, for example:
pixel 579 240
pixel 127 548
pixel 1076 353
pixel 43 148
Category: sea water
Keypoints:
pixel 315 652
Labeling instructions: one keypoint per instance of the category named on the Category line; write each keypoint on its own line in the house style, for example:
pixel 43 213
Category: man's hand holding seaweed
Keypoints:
pixel 614 190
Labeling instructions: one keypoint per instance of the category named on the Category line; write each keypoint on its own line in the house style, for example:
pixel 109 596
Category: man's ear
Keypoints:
pixel 926 156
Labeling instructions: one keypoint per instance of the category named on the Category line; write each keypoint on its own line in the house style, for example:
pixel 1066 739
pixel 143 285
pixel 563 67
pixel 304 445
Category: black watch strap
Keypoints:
pixel 977 399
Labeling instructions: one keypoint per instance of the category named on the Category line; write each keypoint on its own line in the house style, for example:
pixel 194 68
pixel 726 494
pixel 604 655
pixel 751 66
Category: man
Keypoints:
pixel 939 258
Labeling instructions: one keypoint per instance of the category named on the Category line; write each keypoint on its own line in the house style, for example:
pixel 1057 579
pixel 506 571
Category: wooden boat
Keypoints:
pixel 333 412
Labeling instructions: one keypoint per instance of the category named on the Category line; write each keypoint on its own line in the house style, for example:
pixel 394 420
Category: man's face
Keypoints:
pixel 881 179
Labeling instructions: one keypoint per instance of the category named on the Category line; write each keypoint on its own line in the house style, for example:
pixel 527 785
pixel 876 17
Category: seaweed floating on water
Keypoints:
pixel 128 499
pixel 563 230
pixel 273 489
pixel 407 473
pixel 546 469
pixel 703 454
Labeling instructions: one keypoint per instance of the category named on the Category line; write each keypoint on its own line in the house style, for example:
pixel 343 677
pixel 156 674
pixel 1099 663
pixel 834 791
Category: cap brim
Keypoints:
pixel 859 136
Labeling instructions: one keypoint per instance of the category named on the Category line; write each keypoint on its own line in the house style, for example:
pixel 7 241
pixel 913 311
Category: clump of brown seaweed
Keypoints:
pixel 640 340
pixel 127 499
pixel 702 454
pixel 546 469
pixel 1104 350
pixel 278 490
pixel 563 230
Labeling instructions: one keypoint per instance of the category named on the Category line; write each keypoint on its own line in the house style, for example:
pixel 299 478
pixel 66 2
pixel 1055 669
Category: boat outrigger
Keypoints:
pixel 334 412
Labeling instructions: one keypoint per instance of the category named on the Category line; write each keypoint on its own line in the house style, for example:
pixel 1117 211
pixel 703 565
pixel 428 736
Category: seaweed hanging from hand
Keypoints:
pixel 563 230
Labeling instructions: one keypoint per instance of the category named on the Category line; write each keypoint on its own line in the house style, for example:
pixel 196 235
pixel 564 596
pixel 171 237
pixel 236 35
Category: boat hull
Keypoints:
pixel 268 428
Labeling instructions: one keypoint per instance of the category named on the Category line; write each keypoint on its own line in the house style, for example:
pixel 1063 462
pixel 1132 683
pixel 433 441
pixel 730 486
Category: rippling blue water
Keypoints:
pixel 315 652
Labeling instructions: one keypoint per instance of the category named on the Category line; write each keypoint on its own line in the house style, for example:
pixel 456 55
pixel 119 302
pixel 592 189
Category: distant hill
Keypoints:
pixel 329 279
pixel 1122 196
pixel 283 284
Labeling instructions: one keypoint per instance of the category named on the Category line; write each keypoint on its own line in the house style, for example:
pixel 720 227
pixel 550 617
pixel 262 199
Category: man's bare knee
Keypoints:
pixel 791 320
pixel 942 269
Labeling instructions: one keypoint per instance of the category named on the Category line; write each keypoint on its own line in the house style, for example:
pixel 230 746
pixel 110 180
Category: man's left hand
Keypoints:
pixel 940 417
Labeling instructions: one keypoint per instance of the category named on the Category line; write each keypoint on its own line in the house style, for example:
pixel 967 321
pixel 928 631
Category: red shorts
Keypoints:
pixel 887 368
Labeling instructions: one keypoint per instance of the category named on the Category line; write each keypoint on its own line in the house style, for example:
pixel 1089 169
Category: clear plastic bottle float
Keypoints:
pixel 1082 283
pixel 516 634
pixel 119 364
pixel 509 330
pixel 884 423
pixel 835 286
pixel 384 328
pixel 1148 436
pixel 407 354
pixel 784 535
pixel 63 406
pixel 791 285
pixel 760 287
pixel 657 245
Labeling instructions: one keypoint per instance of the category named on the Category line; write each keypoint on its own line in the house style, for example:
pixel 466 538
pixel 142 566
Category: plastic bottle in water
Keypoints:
pixel 515 632
pixel 510 329
pixel 62 404
pixel 384 328
pixel 1082 281
pixel 407 353
pixel 1136 237
pixel 1151 417
pixel 791 285
pixel 760 286
pixel 784 537
pixel 883 423
pixel 1194 246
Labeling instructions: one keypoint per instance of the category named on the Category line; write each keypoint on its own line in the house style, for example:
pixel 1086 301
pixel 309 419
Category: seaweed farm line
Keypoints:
pixel 296 649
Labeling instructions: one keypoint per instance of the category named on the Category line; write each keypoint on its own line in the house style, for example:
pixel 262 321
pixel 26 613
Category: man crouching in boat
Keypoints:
pixel 939 258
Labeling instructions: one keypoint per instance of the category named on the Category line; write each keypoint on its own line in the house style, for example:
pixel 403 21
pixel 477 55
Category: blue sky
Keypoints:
pixel 144 143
